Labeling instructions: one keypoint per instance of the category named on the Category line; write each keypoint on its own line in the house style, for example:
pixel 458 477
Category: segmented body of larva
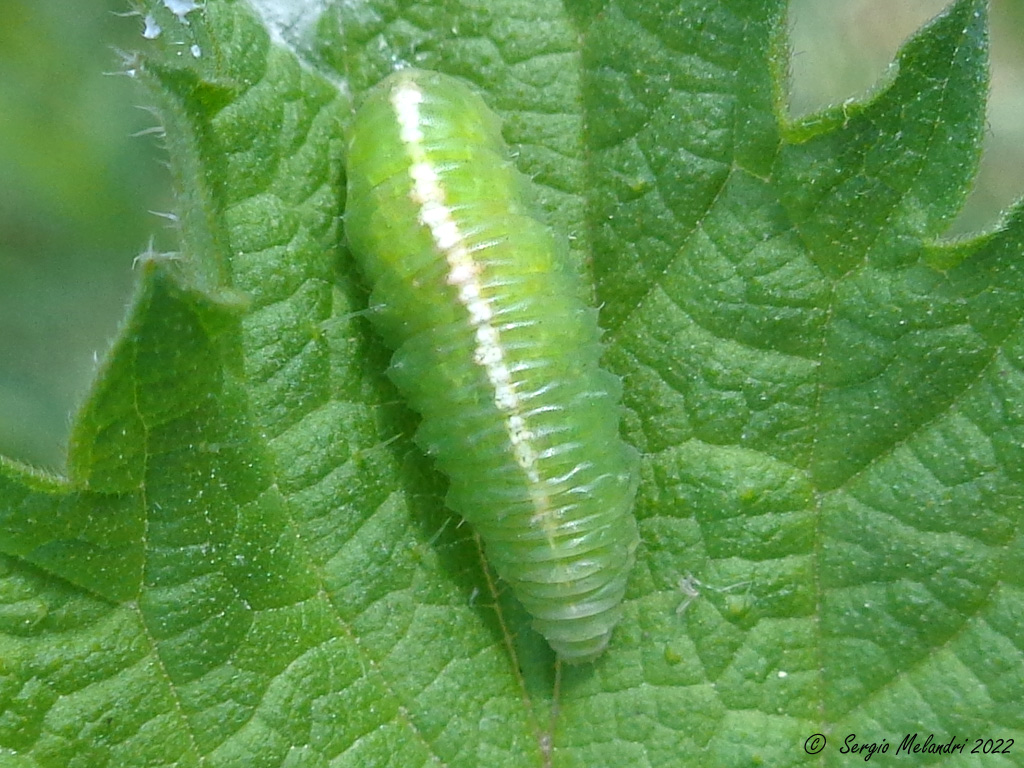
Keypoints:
pixel 497 351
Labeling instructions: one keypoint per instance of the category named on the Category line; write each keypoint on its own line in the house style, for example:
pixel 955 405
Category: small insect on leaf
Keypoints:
pixel 496 350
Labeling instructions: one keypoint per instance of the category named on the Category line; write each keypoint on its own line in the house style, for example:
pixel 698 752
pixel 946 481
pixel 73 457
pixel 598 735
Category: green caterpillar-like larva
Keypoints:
pixel 497 351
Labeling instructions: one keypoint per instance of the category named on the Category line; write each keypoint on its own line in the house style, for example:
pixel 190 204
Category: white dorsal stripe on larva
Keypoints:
pixel 464 274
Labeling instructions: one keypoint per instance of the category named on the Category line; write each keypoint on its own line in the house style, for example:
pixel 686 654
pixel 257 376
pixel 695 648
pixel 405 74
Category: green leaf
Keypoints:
pixel 249 562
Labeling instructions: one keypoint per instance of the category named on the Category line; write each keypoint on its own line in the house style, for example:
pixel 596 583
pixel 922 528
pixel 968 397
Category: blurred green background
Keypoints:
pixel 841 47
pixel 75 191
pixel 78 187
